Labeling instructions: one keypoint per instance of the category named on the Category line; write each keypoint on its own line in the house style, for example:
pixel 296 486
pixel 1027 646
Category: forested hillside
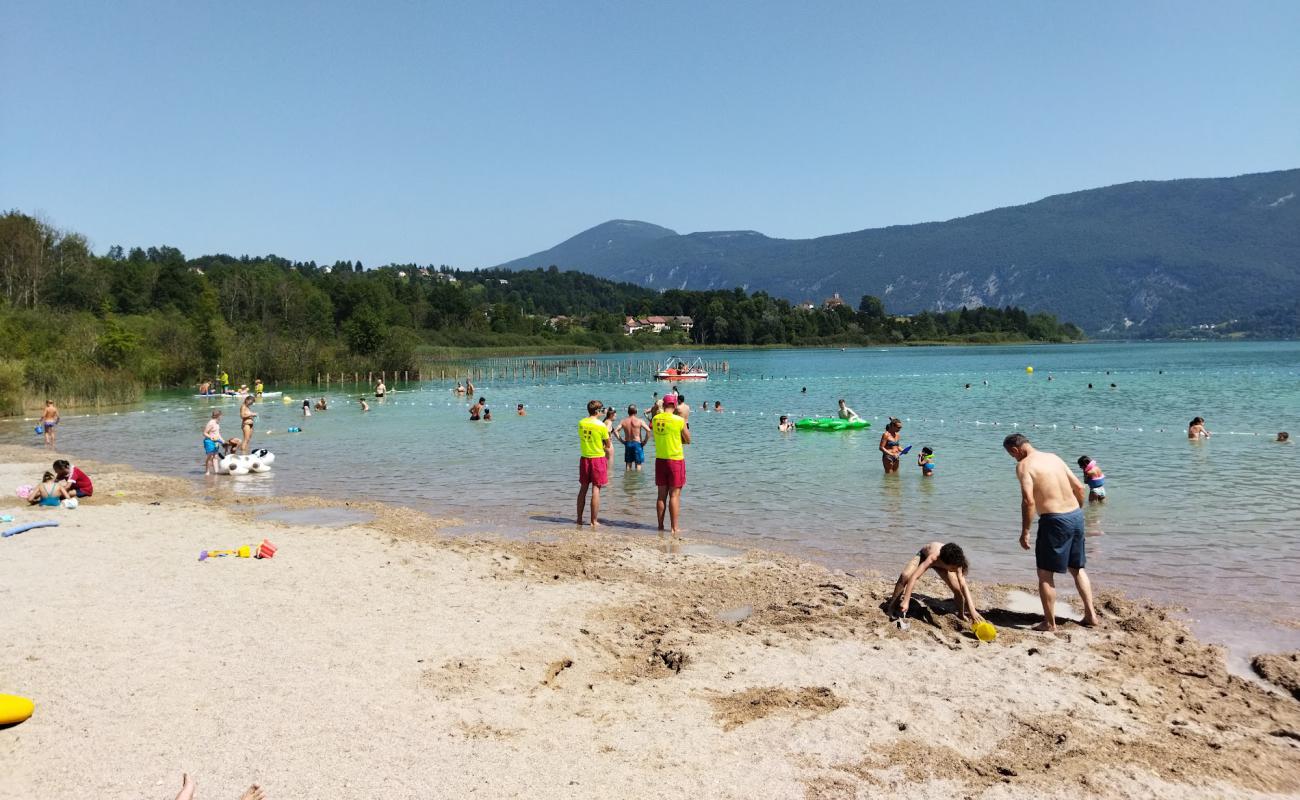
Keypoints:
pixel 1149 258
pixel 84 328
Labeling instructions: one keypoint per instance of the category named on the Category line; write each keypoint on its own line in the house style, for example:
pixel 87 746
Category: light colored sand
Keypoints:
pixel 380 661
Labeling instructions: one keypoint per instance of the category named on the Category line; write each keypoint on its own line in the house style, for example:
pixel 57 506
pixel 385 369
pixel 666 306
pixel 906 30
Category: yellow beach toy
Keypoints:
pixel 15 709
pixel 984 631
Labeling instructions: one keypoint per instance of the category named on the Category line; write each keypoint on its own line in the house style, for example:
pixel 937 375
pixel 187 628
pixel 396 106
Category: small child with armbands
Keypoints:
pixel 926 462
pixel 1096 480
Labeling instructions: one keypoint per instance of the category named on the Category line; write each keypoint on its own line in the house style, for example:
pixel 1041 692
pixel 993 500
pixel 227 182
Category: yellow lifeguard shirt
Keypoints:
pixel 668 429
pixel 592 435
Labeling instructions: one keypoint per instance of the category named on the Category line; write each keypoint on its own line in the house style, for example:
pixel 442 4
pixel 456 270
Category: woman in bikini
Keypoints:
pixel 890 446
pixel 246 417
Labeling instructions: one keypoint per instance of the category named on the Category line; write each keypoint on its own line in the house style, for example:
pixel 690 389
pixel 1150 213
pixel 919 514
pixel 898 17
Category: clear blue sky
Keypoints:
pixel 475 132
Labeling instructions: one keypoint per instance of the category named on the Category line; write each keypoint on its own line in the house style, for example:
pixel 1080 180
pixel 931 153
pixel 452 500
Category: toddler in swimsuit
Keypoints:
pixel 1096 480
pixel 926 462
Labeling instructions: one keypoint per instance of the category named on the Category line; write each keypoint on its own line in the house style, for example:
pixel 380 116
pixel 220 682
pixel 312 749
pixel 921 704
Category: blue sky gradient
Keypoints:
pixel 473 133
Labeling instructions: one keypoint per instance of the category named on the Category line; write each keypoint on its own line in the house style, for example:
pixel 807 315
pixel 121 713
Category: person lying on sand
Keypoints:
pixel 950 563
pixel 188 786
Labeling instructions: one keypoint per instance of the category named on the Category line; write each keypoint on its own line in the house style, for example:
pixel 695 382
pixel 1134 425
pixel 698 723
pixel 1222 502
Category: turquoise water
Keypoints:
pixel 1210 526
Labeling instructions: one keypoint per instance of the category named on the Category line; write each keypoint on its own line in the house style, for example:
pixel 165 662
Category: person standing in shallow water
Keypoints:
pixel 1049 490
pixel 246 417
pixel 891 447
pixel 593 460
pixel 670 432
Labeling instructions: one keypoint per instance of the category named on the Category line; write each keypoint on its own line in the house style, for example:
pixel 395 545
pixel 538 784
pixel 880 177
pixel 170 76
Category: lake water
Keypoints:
pixel 1210 526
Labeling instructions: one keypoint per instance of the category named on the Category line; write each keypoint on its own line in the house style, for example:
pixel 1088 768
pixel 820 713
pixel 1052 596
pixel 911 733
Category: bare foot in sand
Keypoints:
pixel 595 524
pixel 187 788
pixel 1090 622
pixel 1046 627
pixel 254 793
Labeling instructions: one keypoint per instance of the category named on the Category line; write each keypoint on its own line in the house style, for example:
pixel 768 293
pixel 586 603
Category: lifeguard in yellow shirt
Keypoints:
pixel 670 433
pixel 593 464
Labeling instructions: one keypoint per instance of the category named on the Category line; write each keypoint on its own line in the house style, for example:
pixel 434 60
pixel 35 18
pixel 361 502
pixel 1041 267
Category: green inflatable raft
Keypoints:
pixel 830 424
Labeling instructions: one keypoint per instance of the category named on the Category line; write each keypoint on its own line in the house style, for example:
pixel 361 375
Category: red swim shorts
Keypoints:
pixel 670 472
pixel 593 470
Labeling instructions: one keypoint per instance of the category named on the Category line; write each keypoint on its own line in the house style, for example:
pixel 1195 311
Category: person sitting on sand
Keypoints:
pixel 73 479
pixel 188 786
pixel 1095 478
pixel 784 424
pixel 848 413
pixel 1049 490
pixel 320 405
pixel 48 493
pixel 476 410
pixel 364 405
pixel 1196 429
pixel 1283 437
pixel 949 562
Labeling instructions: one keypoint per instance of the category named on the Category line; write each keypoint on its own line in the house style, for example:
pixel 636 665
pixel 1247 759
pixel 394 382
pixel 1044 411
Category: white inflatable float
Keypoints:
pixel 256 461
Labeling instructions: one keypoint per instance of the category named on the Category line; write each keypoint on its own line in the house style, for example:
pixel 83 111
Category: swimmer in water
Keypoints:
pixel 804 390
pixel 633 432
pixel 950 563
pixel 364 405
pixel 926 462
pixel 487 414
pixel 519 409
pixel 306 408
pixel 321 406
pixel 1196 429
pixel 784 425
pixel 717 406
pixel 476 410
pixel 847 413
pixel 1283 437
pixel 1094 478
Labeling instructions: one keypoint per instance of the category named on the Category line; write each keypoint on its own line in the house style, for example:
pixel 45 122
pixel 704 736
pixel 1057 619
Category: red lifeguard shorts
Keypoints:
pixel 593 470
pixel 670 472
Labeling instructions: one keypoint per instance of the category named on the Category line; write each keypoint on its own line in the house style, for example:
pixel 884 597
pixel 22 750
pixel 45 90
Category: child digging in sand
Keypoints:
pixel 950 563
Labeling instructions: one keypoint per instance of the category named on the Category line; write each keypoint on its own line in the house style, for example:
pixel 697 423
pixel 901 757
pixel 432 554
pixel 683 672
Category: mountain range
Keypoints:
pixel 1139 259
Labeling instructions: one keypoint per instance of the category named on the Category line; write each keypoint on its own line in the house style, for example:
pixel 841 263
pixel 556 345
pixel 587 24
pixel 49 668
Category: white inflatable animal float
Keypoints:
pixel 256 461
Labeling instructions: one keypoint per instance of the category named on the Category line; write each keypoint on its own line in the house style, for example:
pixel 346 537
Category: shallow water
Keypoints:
pixel 1210 526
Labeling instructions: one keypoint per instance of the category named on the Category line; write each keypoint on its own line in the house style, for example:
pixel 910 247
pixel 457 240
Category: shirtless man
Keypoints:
pixel 1049 489
pixel 949 562
pixel 380 390
pixel 633 432
pixel 49 420
pixel 476 410
pixel 847 413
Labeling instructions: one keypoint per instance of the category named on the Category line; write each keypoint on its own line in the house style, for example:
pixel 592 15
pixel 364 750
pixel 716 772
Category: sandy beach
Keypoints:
pixel 383 660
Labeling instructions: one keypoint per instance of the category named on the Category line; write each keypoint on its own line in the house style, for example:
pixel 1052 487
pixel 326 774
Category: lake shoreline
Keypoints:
pixel 464 658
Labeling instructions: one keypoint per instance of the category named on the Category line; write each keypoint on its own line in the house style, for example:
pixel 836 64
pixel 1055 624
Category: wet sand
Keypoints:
pixel 382 660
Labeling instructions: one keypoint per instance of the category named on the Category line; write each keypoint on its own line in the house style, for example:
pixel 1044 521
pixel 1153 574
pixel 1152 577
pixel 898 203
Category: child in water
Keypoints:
pixel 784 424
pixel 926 462
pixel 1092 475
